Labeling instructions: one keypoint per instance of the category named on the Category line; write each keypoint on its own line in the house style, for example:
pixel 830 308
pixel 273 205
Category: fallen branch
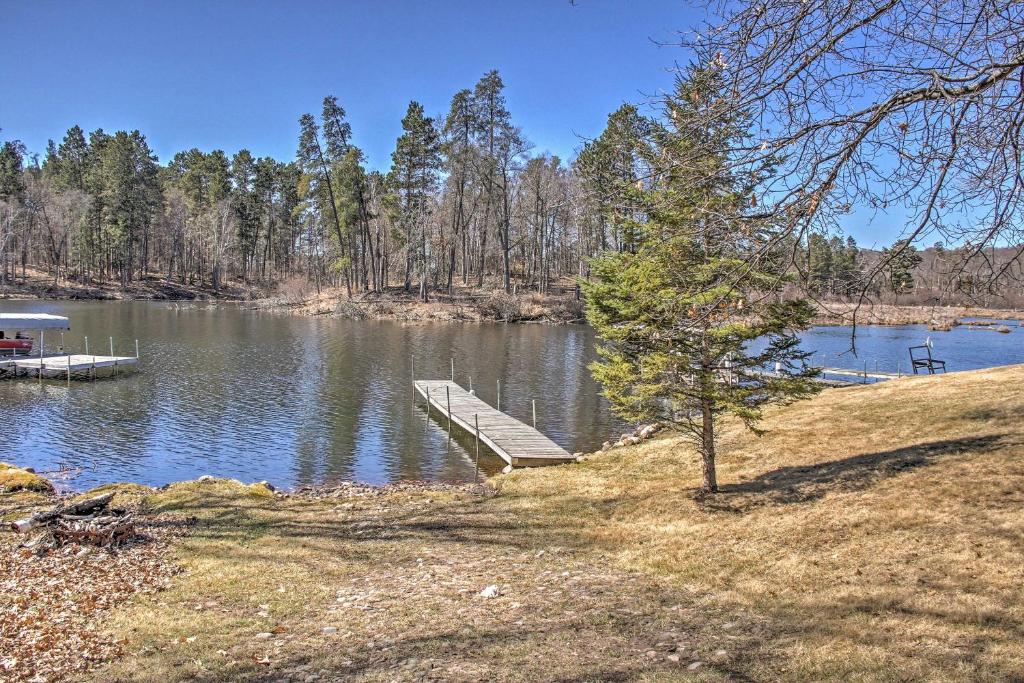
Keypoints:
pixel 84 507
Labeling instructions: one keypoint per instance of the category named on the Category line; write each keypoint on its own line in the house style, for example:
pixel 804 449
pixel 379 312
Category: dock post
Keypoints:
pixel 476 466
pixel 87 346
pixel 69 371
pixel 448 398
pixel 412 361
pixel 136 349
pixel 42 343
pixel 428 406
pixel 865 372
pixel 898 373
pixel 453 368
pixel 499 394
pixel 112 354
pixel 534 401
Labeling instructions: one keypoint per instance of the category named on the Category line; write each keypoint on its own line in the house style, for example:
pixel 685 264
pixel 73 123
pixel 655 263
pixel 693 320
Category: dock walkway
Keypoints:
pixel 64 365
pixel 514 442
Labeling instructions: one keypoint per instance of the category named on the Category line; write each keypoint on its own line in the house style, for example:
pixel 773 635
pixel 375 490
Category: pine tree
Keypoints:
pixel 901 260
pixel 415 165
pixel 689 323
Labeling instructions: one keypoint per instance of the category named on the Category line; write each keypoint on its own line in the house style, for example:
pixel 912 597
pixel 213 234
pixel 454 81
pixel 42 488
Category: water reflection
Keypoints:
pixel 294 400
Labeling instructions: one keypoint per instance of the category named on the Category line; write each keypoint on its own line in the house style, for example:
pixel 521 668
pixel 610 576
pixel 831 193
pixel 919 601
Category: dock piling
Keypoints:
pixel 476 466
pixel 453 368
pixel 448 399
pixel 499 394
pixel 534 401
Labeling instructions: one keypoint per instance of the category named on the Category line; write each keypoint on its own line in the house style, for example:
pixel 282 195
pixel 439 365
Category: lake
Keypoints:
pixel 300 400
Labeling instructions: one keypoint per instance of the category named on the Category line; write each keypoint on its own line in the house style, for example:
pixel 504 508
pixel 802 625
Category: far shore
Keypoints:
pixel 466 305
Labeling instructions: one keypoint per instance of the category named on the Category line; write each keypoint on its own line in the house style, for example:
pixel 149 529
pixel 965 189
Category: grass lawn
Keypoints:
pixel 875 533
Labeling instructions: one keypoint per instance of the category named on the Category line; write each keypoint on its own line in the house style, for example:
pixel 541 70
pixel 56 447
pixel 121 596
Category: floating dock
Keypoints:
pixel 516 443
pixel 74 366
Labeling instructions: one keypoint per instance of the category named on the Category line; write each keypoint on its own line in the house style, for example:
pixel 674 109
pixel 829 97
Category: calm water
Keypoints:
pixel 885 348
pixel 298 400
pixel 294 400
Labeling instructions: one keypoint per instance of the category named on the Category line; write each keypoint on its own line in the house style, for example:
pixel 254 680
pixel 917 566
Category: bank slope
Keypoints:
pixel 878 530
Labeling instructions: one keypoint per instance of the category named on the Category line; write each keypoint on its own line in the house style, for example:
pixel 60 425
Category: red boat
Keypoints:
pixel 18 345
pixel 13 341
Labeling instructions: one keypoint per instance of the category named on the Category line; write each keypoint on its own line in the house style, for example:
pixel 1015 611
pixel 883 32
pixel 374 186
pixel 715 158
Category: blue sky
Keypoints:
pixel 231 75
pixel 239 74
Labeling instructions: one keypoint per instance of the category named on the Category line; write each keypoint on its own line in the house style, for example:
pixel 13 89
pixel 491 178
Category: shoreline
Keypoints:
pixel 469 305
pixel 614 551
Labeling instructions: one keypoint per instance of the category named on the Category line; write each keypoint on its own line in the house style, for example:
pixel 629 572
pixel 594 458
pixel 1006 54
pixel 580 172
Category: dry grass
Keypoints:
pixel 14 478
pixel 878 530
pixel 840 313
pixel 466 305
pixel 874 534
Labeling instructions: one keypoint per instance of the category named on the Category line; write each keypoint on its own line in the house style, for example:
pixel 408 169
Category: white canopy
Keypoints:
pixel 33 321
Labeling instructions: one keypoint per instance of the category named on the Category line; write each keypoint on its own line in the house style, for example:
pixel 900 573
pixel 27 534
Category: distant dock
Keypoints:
pixel 518 444
pixel 74 366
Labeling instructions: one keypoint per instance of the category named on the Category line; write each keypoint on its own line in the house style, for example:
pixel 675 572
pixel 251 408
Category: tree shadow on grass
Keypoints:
pixel 789 485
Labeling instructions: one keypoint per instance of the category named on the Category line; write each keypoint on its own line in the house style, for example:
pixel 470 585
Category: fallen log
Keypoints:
pixel 83 507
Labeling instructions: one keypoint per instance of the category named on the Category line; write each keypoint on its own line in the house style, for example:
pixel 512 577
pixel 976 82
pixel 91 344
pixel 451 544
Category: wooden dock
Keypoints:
pixel 74 366
pixel 863 374
pixel 517 444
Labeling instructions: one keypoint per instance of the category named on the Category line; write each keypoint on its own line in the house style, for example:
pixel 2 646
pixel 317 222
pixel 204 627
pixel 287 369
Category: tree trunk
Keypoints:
pixel 707 448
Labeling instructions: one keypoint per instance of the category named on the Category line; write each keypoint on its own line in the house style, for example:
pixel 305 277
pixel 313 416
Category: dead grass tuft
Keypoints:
pixel 13 478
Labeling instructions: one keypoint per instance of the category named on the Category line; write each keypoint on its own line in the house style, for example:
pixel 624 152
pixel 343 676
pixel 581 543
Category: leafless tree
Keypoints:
pixel 910 109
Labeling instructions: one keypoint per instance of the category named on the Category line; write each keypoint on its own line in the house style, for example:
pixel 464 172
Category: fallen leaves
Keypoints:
pixel 50 602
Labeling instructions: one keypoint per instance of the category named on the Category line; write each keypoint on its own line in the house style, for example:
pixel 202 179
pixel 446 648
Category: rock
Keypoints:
pixel 491 591
pixel 651 654
pixel 619 444
pixel 266 484
pixel 507 469
pixel 578 454
pixel 673 658
pixel 205 477
pixel 631 441
pixel 606 446
pixel 647 432
pixel 264 636
pixel 719 654
pixel 581 458
pixel 329 630
pixel 695 665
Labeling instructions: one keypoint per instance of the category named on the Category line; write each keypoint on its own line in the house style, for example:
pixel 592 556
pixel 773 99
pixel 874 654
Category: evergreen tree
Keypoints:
pixel 610 165
pixel 415 165
pixel 12 183
pixel 678 317
pixel 901 260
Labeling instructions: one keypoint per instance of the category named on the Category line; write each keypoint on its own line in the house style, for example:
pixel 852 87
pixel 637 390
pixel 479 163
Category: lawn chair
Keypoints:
pixel 923 359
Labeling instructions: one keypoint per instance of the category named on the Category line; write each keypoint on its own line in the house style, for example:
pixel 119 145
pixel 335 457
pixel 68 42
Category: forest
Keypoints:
pixel 465 203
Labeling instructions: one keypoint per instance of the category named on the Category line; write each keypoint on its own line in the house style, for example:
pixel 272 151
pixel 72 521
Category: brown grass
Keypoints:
pixel 841 313
pixel 14 478
pixel 874 534
pixel 877 530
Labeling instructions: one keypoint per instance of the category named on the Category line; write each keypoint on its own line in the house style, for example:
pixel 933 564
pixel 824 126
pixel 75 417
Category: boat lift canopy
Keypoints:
pixel 33 321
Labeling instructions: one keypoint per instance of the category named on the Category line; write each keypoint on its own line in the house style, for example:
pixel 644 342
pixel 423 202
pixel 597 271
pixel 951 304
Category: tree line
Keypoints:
pixel 465 202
